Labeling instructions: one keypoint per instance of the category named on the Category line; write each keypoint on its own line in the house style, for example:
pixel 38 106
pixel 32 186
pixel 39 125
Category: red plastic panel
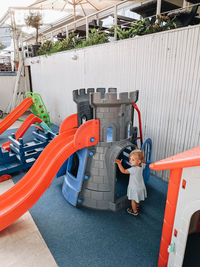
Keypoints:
pixel 170 210
pixel 5 177
pixel 15 114
pixel 185 159
pixel 87 134
pixel 69 123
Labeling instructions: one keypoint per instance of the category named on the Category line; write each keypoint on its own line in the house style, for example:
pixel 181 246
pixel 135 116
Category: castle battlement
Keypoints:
pixel 80 95
pixel 83 94
pixel 112 109
pixel 111 98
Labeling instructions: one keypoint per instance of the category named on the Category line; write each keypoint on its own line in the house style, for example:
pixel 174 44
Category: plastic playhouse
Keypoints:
pixel 182 211
pixel 91 177
pixel 85 150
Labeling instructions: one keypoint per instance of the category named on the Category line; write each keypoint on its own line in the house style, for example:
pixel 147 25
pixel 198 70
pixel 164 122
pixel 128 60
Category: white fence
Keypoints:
pixel 7 87
pixel 7 84
pixel 164 67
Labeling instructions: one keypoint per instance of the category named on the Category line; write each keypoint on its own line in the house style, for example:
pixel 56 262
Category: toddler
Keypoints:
pixel 136 188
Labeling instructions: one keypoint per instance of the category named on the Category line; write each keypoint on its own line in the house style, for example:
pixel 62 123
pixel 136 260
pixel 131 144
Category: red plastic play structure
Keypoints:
pixel 74 135
pixel 35 103
pixel 31 119
pixel 5 177
pixel 140 124
pixel 15 114
pixel 182 180
pixel 21 197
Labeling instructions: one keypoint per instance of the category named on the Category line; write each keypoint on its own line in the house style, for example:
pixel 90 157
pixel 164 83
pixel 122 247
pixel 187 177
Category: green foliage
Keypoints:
pixel 69 43
pixel 48 47
pixel 45 47
pixel 163 23
pixel 95 37
pixel 144 26
pixel 73 41
pixel 140 27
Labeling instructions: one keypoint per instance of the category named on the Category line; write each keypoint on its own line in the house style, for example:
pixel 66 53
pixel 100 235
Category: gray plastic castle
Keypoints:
pixel 92 178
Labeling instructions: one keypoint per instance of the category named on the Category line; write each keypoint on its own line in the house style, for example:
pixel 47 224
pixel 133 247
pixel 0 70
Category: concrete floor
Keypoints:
pixel 21 244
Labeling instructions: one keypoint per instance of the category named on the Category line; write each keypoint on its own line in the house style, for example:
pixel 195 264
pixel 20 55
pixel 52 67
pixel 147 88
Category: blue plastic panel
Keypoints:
pixel 62 170
pixel 72 184
pixel 147 148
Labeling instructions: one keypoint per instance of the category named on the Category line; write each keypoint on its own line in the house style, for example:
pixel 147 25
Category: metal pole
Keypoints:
pixel 67 32
pixel 186 5
pixel 158 9
pixel 15 38
pixel 115 22
pixel 87 27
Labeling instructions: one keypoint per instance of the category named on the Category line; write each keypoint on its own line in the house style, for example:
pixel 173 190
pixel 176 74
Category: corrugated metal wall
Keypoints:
pixel 165 67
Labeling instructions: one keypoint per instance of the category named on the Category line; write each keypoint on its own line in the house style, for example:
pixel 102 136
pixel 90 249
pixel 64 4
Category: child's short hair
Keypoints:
pixel 139 153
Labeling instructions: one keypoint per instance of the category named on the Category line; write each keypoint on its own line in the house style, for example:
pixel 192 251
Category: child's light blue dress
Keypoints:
pixel 136 187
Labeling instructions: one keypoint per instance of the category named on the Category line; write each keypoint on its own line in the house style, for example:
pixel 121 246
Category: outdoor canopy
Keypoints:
pixel 80 7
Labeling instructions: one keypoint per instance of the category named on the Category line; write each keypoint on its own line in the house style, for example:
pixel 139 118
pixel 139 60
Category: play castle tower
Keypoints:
pixel 91 172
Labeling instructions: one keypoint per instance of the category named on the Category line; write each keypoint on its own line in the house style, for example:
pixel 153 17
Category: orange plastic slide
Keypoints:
pixel 15 114
pixel 21 197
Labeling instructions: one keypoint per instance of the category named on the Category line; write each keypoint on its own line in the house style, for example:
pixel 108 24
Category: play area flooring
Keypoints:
pixel 21 244
pixel 73 237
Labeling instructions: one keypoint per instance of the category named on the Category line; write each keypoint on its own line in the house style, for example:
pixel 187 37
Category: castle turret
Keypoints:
pixel 81 98
pixel 84 110
pixel 115 114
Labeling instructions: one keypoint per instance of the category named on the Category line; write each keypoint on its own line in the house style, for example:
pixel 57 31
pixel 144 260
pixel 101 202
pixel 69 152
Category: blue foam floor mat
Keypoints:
pixel 85 237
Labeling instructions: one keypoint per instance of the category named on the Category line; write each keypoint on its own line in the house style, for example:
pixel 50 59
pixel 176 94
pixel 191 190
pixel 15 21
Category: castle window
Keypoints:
pixel 74 165
pixel 109 134
pixel 83 119
pixel 129 130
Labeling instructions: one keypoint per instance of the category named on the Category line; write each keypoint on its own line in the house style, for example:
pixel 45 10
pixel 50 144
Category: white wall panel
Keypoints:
pixel 7 84
pixel 164 67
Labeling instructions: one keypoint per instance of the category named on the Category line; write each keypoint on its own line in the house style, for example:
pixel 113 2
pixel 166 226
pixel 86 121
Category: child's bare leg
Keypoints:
pixel 137 204
pixel 134 206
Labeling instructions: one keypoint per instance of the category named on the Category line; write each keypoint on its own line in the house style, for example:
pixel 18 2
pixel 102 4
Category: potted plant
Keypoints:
pixel 16 63
pixel 34 20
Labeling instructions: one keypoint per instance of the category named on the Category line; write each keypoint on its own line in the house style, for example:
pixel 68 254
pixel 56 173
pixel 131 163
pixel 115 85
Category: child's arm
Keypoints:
pixel 119 163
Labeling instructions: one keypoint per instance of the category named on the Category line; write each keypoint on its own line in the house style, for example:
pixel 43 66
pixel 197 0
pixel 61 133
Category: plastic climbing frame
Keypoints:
pixel 38 108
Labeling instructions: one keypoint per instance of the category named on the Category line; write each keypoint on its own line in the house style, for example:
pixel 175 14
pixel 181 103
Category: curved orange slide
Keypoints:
pixel 21 197
pixel 15 114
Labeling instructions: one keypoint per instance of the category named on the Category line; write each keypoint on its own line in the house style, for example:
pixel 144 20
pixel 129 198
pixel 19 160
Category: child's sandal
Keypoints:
pixel 130 211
